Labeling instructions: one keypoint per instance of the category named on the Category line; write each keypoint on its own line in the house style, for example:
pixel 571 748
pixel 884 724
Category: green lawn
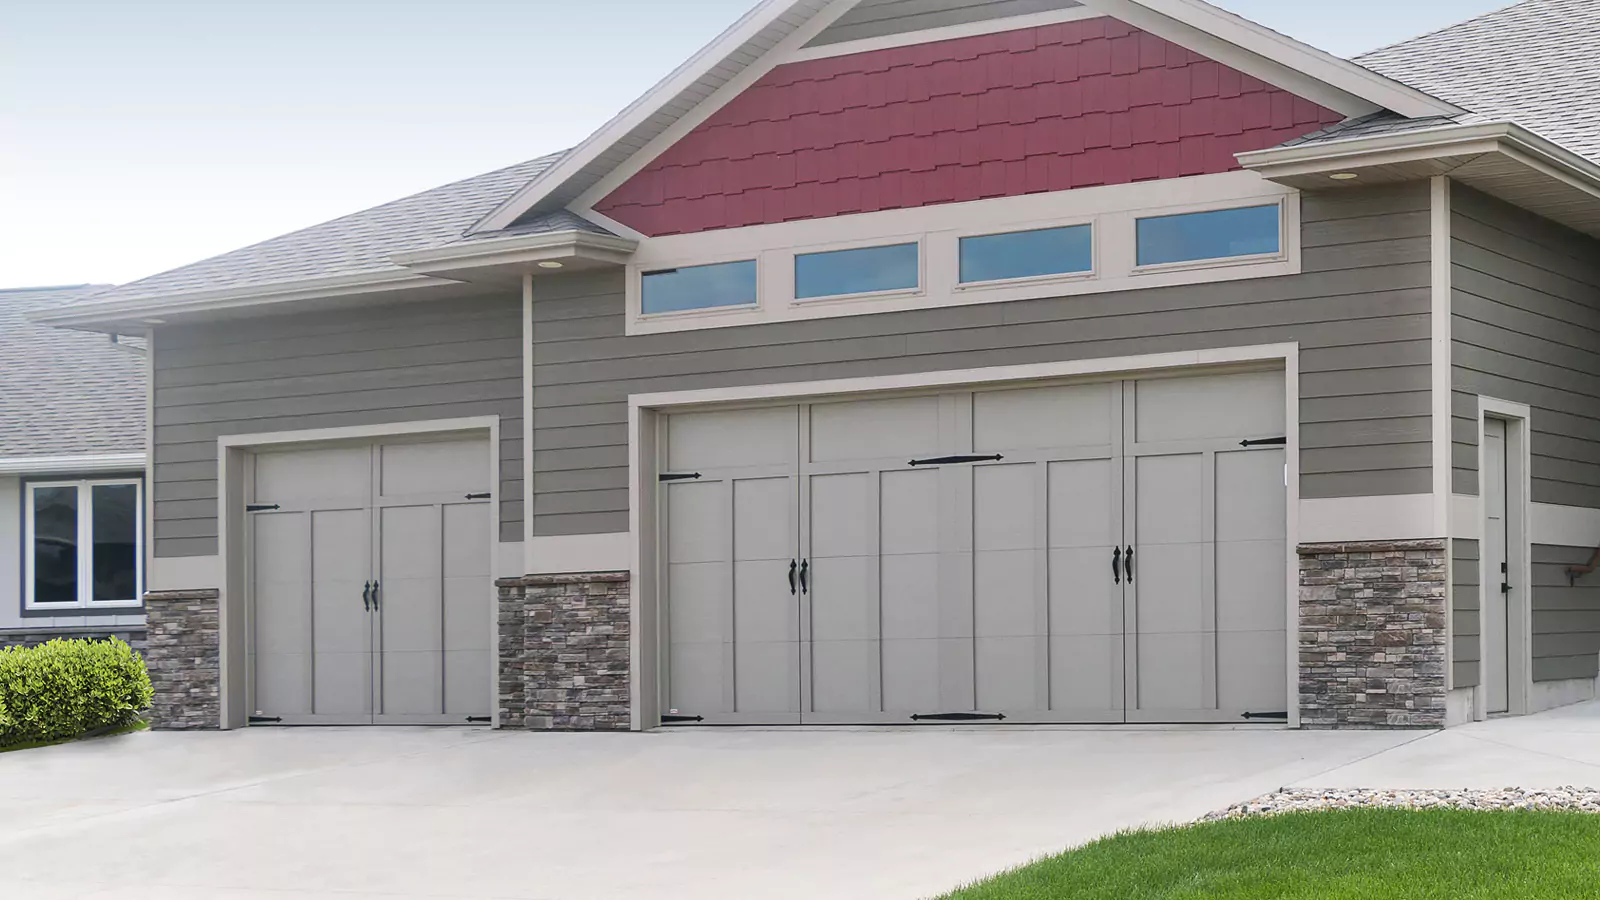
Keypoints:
pixel 1342 855
pixel 140 725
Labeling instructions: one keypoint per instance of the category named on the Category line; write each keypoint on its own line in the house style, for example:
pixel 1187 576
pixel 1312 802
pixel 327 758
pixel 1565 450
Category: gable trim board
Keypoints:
pixel 943 33
pixel 1272 57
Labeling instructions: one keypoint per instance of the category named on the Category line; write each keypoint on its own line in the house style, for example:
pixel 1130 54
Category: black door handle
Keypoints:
pixel 375 592
pixel 1116 565
pixel 1127 564
pixel 366 597
pixel 805 565
pixel 793 567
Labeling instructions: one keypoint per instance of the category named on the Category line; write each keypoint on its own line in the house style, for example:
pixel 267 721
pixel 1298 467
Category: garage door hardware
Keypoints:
pixel 1127 563
pixel 793 568
pixel 475 720
pixel 1116 564
pixel 960 717
pixel 668 720
pixel 265 720
pixel 688 476
pixel 369 596
pixel 1268 715
pixel 1266 442
pixel 260 507
pixel 956 460
pixel 805 566
pixel 483 496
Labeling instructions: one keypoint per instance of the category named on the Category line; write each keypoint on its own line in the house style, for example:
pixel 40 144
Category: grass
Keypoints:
pixel 140 725
pixel 1340 855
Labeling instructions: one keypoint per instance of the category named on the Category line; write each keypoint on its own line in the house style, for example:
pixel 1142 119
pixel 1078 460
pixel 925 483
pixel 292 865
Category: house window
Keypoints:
pixel 83 544
pixel 1218 234
pixel 1027 254
pixel 868 270
pixel 698 287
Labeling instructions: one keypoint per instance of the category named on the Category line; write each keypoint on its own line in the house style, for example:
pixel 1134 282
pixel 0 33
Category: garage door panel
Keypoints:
pixel 697 522
pixel 699 595
pixel 1213 406
pixel 468 583
pixel 434 467
pixel 342 641
pixel 732 438
pixel 1043 418
pixel 1170 588
pixel 763 609
pixel 843 504
pixel 1252 670
pixel 1006 601
pixel 910 512
pixel 843 600
pixel 467 683
pixel 322 477
pixel 696 676
pixel 1168 666
pixel 1250 496
pixel 875 429
pixel 1009 673
pixel 1083 599
pixel 842 675
pixel 911 682
pixel 1084 672
pixel 763 509
pixel 1250 586
pixel 1169 501
pixel 910 596
pixel 413 682
pixel 1077 490
pixel 1003 507
pixel 766 676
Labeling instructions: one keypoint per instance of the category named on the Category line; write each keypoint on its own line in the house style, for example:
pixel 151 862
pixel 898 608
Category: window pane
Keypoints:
pixel 115 510
pixel 837 272
pixel 1208 235
pixel 1025 254
pixel 55 545
pixel 699 287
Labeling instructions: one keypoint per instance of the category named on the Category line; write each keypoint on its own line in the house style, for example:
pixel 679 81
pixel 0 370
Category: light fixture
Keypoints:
pixel 550 264
pixel 1344 176
pixel 153 322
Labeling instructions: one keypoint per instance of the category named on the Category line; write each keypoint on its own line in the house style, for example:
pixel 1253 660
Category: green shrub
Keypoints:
pixel 63 689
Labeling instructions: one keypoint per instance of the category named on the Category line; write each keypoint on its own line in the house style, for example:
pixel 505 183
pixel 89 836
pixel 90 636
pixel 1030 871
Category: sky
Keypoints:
pixel 141 135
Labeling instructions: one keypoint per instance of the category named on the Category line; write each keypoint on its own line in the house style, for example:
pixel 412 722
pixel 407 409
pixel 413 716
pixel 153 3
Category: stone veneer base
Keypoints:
pixel 1373 634
pixel 183 654
pixel 564 660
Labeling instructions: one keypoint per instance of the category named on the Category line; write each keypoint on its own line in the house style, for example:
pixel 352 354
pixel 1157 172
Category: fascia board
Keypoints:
pixel 697 66
pixel 534 247
pixel 63 465
pixel 1319 76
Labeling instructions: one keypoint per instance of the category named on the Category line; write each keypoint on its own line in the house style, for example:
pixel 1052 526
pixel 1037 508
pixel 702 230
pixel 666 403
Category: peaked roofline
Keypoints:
pixel 1336 83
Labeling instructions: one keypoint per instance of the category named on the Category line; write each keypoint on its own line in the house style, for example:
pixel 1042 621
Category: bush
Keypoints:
pixel 63 689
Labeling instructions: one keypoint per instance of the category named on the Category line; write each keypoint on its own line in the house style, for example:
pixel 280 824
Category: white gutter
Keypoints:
pixel 66 465
pixel 518 249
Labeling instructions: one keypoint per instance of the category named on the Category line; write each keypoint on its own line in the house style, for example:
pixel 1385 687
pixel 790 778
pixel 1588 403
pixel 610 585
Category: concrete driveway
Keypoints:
pixel 457 813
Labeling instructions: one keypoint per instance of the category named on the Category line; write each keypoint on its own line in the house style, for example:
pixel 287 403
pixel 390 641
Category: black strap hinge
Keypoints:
pixel 956 460
pixel 960 717
pixel 475 719
pixel 260 507
pixel 678 476
pixel 668 720
pixel 1266 442
pixel 483 496
pixel 263 720
pixel 1266 715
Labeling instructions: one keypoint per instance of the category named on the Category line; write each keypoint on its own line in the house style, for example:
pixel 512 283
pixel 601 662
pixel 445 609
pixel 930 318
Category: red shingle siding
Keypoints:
pixel 1041 109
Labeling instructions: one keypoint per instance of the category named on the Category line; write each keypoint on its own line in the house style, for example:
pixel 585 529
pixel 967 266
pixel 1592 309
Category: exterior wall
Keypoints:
pixel 564 659
pixel 879 18
pixel 1360 311
pixel 133 635
pixel 11 552
pixel 1050 108
pixel 1566 615
pixel 121 621
pixel 361 366
pixel 1466 613
pixel 1526 328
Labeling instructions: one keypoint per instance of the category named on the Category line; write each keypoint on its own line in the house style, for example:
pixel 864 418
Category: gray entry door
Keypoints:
pixel 370 582
pixel 1497 611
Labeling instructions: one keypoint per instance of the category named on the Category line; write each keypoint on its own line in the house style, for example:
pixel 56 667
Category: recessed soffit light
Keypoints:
pixel 550 264
pixel 1344 176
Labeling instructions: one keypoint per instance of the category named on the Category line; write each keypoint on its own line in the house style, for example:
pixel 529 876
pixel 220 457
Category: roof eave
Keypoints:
pixel 71 464
pixel 500 259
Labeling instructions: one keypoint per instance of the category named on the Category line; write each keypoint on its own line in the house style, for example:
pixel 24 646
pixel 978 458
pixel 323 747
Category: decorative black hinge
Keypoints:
pixel 1266 715
pixel 1266 442
pixel 260 507
pixel 668 720
pixel 678 476
pixel 956 460
pixel 262 720
pixel 960 717
pixel 484 719
pixel 483 496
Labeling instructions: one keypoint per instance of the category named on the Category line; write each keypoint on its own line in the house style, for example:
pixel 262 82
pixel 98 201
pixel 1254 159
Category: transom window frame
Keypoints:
pixel 1112 212
pixel 85 487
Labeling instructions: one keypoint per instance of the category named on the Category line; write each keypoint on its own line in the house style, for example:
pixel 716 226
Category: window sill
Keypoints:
pixel 1001 283
pixel 1259 259
pixel 836 299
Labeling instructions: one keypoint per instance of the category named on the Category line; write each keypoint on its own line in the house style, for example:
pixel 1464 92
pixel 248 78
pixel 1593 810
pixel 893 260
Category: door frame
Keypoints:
pixel 1519 558
pixel 647 655
pixel 233 471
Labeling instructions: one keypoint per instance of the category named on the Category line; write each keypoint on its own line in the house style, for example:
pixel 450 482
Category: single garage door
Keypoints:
pixel 1108 552
pixel 370 581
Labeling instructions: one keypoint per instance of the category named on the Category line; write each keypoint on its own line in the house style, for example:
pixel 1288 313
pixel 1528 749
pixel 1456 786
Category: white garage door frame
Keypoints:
pixel 233 453
pixel 645 410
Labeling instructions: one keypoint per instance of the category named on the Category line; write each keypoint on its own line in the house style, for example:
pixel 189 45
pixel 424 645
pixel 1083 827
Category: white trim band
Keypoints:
pixel 66 465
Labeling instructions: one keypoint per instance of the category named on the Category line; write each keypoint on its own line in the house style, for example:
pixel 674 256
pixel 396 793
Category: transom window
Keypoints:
pixel 1218 234
pixel 83 544
pixel 1027 254
pixel 699 287
pixel 868 270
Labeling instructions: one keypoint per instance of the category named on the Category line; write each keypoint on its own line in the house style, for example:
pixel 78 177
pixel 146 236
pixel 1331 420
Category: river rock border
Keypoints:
pixel 1566 799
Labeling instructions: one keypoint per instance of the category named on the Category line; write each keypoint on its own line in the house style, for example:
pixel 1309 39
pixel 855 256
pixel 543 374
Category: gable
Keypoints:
pixel 879 18
pixel 1049 108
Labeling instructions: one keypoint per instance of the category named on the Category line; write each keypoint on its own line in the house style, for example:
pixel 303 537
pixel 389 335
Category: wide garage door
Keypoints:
pixel 370 583
pixel 1108 552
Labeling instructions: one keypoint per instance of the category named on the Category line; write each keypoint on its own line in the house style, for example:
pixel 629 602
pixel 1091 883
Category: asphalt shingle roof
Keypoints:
pixel 1370 126
pixel 1536 64
pixel 360 242
pixel 65 393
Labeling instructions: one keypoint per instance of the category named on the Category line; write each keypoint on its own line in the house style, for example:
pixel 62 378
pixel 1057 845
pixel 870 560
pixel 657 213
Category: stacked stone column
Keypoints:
pixel 564 660
pixel 183 653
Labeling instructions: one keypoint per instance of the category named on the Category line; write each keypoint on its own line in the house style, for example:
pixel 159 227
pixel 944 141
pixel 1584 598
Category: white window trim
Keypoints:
pixel 1111 210
pixel 1215 261
pixel 1088 274
pixel 86 599
pixel 636 288
pixel 917 290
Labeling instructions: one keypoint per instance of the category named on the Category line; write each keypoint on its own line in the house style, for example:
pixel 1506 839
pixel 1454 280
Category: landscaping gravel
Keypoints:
pixel 1568 799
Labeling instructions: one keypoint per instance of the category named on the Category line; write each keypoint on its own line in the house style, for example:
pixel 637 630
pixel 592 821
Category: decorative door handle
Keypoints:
pixel 793 567
pixel 1127 564
pixel 805 565
pixel 1116 565
pixel 375 590
pixel 366 597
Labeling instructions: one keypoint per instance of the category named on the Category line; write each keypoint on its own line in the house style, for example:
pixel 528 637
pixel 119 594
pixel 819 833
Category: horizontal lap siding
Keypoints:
pixel 1466 619
pixel 1566 616
pixel 1360 312
pixel 878 18
pixel 373 366
pixel 1526 328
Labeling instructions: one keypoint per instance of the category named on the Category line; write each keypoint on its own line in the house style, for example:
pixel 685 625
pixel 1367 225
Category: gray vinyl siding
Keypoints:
pixel 1360 311
pixel 1466 619
pixel 876 18
pixel 1566 616
pixel 365 366
pixel 1526 328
